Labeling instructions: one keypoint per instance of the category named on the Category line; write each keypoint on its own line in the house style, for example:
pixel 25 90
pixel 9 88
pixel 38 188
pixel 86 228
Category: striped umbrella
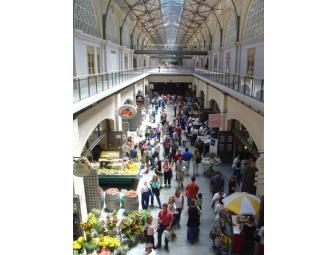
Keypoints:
pixel 242 203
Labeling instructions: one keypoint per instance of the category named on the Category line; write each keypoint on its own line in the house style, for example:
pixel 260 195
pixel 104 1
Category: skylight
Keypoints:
pixel 171 11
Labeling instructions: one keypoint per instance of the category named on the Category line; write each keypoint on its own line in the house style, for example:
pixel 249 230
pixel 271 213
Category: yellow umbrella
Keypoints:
pixel 242 203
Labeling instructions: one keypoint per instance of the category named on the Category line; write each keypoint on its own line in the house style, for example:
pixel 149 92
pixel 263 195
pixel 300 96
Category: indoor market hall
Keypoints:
pixel 168 115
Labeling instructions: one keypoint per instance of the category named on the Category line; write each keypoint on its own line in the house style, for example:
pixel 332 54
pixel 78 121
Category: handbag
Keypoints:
pixel 167 235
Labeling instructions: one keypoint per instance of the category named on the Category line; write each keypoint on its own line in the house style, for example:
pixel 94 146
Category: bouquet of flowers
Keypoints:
pixel 89 223
pixel 78 245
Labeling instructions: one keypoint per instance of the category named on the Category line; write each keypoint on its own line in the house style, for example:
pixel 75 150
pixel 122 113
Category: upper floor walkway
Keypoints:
pixel 91 88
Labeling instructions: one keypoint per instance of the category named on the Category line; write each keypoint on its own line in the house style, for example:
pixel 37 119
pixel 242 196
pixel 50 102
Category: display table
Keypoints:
pixel 106 179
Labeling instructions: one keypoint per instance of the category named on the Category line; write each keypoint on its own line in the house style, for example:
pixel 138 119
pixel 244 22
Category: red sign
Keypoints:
pixel 215 120
pixel 127 111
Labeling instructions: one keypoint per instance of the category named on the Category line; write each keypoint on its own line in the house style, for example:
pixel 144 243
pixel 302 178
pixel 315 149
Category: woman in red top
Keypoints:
pixel 167 172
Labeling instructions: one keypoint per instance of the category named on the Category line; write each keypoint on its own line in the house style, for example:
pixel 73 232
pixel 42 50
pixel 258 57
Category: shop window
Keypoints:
pixel 91 61
pixel 250 61
pixel 98 61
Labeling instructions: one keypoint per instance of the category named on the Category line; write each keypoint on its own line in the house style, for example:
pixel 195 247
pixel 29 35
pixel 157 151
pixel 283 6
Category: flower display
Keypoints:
pixel 104 251
pixel 225 239
pixel 90 222
pixel 96 212
pixel 76 245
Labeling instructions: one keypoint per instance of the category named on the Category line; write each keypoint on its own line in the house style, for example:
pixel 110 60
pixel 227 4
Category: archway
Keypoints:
pixel 214 106
pixel 243 140
pixel 98 140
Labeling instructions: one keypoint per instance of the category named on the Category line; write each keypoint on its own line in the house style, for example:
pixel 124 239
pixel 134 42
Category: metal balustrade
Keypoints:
pixel 87 86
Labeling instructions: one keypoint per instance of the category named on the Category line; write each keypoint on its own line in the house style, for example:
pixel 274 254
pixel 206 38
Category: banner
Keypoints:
pixel 127 111
pixel 215 120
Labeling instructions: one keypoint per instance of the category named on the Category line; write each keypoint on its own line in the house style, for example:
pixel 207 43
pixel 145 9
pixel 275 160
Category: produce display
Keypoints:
pixel 119 167
pixel 112 191
pixel 109 155
pixel 131 194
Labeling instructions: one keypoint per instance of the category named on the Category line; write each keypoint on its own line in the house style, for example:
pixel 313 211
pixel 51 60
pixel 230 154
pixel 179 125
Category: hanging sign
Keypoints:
pixel 215 120
pixel 127 111
pixel 140 100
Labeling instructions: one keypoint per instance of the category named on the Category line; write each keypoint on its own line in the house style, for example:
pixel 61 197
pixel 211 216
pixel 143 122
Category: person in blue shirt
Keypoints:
pixel 186 156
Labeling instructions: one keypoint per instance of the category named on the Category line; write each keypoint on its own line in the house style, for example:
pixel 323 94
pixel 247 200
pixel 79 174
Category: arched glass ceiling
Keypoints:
pixel 171 21
pixel 171 14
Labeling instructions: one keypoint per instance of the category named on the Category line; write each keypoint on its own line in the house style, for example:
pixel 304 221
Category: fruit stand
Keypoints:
pixel 114 170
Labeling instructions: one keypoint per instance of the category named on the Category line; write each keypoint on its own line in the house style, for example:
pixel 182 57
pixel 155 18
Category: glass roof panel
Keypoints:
pixel 171 12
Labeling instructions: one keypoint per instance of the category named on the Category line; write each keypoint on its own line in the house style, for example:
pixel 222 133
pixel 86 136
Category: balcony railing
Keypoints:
pixel 247 85
pixel 86 86
pixel 90 85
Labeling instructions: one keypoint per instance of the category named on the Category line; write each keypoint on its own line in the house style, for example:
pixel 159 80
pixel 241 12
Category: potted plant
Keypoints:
pixel 78 245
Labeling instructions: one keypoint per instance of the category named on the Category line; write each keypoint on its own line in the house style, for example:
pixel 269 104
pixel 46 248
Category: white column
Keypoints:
pixel 78 181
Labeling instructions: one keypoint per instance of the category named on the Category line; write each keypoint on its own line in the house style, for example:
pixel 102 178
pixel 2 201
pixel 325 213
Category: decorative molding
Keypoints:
pixel 89 38
pixel 259 39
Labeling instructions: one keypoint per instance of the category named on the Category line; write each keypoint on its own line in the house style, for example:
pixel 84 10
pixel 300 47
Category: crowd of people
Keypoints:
pixel 176 158
pixel 170 214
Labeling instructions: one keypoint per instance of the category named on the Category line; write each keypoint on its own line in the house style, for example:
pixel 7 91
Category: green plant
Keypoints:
pixel 90 245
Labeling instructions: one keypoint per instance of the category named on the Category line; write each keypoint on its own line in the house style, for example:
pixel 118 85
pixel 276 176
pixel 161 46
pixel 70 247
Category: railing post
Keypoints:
pixel 262 91
pixel 102 78
pixel 88 86
pixel 96 84
pixel 79 90
pixel 252 88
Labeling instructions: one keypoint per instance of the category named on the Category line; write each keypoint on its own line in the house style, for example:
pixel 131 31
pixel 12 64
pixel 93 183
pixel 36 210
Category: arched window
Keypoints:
pixel 84 17
pixel 230 34
pixel 111 33
pixel 254 24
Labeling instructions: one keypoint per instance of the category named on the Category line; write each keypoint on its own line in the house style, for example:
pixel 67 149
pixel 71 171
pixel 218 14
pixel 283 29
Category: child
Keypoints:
pixel 149 234
pixel 199 200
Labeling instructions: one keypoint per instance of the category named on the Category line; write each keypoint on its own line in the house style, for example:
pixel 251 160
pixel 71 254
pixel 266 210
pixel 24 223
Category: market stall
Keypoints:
pixel 243 206
pixel 115 170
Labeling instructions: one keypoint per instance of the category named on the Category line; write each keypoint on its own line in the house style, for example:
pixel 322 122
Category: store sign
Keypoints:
pixel 127 111
pixel 215 120
pixel 140 101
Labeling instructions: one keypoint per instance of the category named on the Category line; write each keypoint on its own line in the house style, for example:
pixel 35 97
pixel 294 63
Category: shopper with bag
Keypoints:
pixel 193 222
pixel 158 171
pixel 146 192
pixel 191 190
pixel 155 185
pixel 165 221
pixel 179 202
pixel 149 234
pixel 167 173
